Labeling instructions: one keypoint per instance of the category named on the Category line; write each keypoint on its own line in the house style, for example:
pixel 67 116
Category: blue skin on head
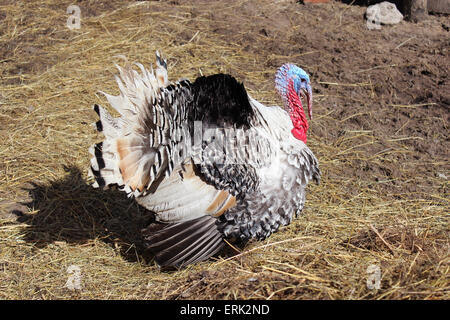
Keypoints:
pixel 300 80
pixel 298 74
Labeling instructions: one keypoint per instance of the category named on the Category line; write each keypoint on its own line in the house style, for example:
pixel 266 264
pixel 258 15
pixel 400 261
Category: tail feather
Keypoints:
pixel 161 71
pixel 139 145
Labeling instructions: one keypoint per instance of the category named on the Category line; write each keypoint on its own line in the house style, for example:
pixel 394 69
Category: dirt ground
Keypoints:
pixel 380 132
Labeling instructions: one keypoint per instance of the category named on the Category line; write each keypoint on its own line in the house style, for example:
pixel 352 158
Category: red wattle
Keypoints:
pixel 297 114
pixel 299 134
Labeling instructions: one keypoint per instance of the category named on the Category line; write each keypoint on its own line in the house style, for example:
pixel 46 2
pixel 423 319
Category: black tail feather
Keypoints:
pixel 182 243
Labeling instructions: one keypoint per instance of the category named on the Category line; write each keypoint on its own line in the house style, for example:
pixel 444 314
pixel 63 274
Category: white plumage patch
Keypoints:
pixel 184 196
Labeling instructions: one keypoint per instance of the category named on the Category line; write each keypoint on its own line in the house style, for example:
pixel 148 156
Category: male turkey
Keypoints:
pixel 209 160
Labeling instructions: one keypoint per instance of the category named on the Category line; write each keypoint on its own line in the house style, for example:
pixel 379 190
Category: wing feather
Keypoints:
pixel 182 243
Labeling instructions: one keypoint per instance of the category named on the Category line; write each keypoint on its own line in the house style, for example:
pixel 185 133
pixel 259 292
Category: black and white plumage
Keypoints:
pixel 208 159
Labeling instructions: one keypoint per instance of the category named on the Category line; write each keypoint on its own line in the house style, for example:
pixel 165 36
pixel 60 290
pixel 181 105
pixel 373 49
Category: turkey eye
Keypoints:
pixel 303 80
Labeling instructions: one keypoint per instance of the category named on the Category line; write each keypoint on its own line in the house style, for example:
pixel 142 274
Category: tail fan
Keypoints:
pixel 139 145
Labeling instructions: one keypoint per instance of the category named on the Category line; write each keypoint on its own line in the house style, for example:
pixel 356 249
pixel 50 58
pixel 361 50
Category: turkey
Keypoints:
pixel 210 161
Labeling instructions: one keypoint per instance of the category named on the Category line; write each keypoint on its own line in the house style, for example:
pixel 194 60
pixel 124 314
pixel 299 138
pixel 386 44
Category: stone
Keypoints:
pixel 383 13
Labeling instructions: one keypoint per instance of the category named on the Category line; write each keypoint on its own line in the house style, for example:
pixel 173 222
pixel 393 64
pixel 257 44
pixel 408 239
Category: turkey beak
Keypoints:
pixel 308 95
